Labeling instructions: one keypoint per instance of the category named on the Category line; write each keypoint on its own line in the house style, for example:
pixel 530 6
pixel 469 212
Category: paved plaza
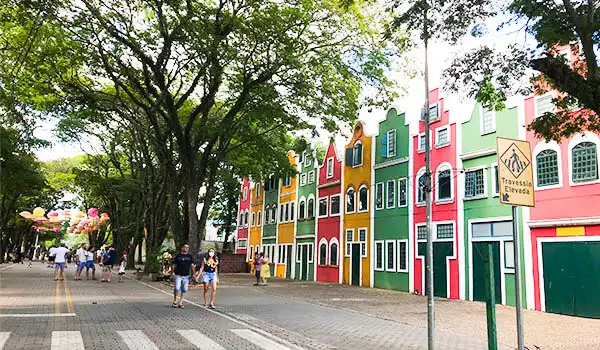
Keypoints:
pixel 38 313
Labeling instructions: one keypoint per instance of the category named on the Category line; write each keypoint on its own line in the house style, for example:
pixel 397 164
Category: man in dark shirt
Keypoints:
pixel 183 265
pixel 109 260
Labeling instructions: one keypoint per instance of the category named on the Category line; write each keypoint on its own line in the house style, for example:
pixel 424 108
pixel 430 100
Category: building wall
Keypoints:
pixel 256 205
pixel 285 230
pixel 244 207
pixel 306 227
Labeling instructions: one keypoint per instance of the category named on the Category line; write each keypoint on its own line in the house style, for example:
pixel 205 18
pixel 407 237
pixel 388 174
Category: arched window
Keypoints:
pixel 311 208
pixel 363 198
pixel 421 188
pixel 357 158
pixel 323 252
pixel 547 168
pixel 242 219
pixel 246 218
pixel 350 200
pixel 302 209
pixel 259 221
pixel 333 253
pixel 444 183
pixel 585 162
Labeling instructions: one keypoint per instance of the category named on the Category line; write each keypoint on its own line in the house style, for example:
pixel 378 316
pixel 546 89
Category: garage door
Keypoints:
pixel 572 278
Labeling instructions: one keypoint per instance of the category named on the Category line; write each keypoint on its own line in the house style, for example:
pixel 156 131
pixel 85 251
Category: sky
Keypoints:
pixel 440 56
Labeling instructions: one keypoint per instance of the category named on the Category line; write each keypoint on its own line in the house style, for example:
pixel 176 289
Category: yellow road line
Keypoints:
pixel 57 299
pixel 68 297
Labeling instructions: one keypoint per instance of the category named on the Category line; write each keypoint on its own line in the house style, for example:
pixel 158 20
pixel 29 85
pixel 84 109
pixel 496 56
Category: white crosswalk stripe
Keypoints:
pixel 258 340
pixel 137 340
pixel 3 338
pixel 199 340
pixel 71 340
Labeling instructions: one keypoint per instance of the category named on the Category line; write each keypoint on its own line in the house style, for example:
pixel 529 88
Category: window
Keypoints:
pixel 274 214
pixel 298 252
pixel 488 120
pixel 379 196
pixel 322 207
pixel 267 215
pixel 281 256
pixel 390 256
pixel 402 256
pixel 547 168
pixel 349 239
pixel 281 213
pixel 302 209
pixel 433 112
pixel 350 200
pixel 585 162
pixel 311 177
pixel 251 253
pixel 474 183
pixel 308 160
pixel 363 199
pixel 445 231
pixel 287 181
pixel 402 188
pixel 310 252
pixel 334 206
pixel 253 219
pixel 357 157
pixel 421 189
pixel 287 212
pixel 444 184
pixel 302 179
pixel 379 255
pixel 391 194
pixel 491 229
pixel 362 237
pixel 323 253
pixel 241 243
pixel 311 208
pixel 329 168
pixel 245 193
pixel 391 143
pixel 422 232
pixel 442 137
pixel 246 218
pixel 301 157
pixel 544 104
pixel 241 221
pixel 509 254
pixel 292 211
pixel 421 147
pixel 270 184
pixel 258 223
pixel 333 254
pixel 257 190
pixel 495 181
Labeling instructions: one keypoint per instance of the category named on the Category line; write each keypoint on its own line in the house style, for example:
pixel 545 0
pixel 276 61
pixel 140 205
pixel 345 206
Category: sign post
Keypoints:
pixel 515 179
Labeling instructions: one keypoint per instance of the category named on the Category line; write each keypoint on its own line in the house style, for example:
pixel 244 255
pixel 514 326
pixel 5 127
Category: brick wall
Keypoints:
pixel 233 263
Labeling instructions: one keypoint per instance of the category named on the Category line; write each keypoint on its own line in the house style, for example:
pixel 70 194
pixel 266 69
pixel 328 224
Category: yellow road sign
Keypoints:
pixel 515 172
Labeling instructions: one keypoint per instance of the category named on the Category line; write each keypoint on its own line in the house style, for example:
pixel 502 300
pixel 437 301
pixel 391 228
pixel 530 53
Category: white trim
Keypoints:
pixel 478 153
pixel 398 242
pixel 437 131
pixel 387 146
pixel 331 242
pixel 536 99
pixel 311 173
pixel 390 163
pixel 340 205
pixel 311 196
pixel 362 154
pixel 382 268
pixel 238 245
pixel 379 184
pixel 303 179
pixel 494 180
pixel 395 256
pixel 442 167
pixel 410 204
pixel 328 175
pixel 346 201
pixel 541 260
pixel 422 150
pixel 460 221
pixel 387 203
pixel 485 184
pixel 341 231
pixel 305 236
pixel 253 219
pixel 595 220
pixel 406 191
pixel 481 113
pixel 577 139
pixel 321 242
pixel 326 198
pixel 358 197
pixel 366 229
pixel 346 242
pixel 543 146
pixel 420 173
pixel 302 199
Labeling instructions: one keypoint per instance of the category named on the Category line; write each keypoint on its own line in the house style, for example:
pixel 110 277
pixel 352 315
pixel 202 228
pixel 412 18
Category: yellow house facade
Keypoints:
pixel 256 225
pixel 356 185
pixel 286 219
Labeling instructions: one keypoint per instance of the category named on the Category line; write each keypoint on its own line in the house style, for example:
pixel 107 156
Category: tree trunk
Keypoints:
pixel 192 193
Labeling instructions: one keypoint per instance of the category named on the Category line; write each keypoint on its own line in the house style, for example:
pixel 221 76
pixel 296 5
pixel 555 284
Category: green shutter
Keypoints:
pixel 349 154
pixel 384 140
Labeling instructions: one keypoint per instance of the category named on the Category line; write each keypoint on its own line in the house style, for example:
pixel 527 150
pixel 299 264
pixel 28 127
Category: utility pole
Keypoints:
pixel 427 190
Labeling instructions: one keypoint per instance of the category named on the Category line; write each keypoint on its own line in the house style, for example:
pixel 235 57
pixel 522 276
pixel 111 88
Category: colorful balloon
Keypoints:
pixel 38 212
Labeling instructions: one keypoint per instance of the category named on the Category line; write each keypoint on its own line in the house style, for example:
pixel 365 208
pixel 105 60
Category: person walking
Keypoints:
pixel 30 253
pixel 122 265
pixel 109 260
pixel 265 271
pixel 51 256
pixel 183 266
pixel 98 256
pixel 257 267
pixel 209 273
pixel 59 262
pixel 89 264
pixel 80 260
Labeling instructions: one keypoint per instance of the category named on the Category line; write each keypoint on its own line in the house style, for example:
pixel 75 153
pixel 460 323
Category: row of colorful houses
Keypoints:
pixel 358 218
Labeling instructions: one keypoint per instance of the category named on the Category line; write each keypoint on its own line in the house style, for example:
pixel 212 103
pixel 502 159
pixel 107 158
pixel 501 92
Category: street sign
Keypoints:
pixel 515 172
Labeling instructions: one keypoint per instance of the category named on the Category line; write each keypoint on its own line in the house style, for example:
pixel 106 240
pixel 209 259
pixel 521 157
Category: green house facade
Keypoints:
pixel 308 209
pixel 271 203
pixel 392 219
pixel 487 222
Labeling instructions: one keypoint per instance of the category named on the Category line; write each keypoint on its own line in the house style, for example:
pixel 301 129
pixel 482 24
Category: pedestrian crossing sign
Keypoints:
pixel 515 172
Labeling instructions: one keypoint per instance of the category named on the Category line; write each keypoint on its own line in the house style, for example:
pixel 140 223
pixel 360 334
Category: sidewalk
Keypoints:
pixel 542 330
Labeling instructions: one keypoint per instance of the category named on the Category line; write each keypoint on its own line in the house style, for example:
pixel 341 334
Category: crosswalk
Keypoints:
pixel 138 340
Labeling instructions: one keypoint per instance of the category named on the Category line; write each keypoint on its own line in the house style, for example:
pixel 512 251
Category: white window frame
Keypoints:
pixel 245 193
pixel 310 253
pixel 285 179
pixel 346 198
pixel 434 227
pixel 299 252
pixel 366 230
pixel 311 177
pixel 407 194
pixel 253 222
pixel 481 121
pixel 377 186
pixel 259 219
pixel 493 168
pixel 331 242
pixel 358 199
pixel 362 155
pixel 307 160
pixel 390 154
pixel 315 213
pixel 239 244
pixel 439 113
pixel 577 139
pixel 303 179
pixel 545 146
pixel 485 183
pixel 348 243
pixel 323 241
pixel 257 189
pixel 420 173
pixel 302 200
pixel 538 97
pixel 330 167
pixel 442 167
pixel 340 205
pixel 387 190
pixel 405 243
pixel 250 253
pixel 326 207
pixel 417 232
pixel 382 267
pixel 395 256
pixel 419 149
pixel 437 132
pixel 267 215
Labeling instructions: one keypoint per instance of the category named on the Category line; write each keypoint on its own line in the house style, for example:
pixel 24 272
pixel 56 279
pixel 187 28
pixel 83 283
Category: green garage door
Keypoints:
pixel 441 250
pixel 480 256
pixel 572 278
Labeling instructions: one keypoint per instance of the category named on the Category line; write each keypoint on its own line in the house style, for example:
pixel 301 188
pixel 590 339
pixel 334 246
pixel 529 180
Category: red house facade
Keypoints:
pixel 443 144
pixel 328 226
pixel 244 218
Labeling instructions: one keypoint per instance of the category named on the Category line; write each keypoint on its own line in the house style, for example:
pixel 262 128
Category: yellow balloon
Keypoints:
pixel 38 212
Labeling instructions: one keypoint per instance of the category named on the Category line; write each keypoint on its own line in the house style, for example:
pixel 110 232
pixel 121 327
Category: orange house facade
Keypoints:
pixel 356 184
pixel 286 223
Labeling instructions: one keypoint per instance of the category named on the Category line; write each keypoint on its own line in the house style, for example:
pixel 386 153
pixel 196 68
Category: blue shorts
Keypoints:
pixel 181 283
pixel 59 266
pixel 81 265
pixel 208 277
pixel 90 264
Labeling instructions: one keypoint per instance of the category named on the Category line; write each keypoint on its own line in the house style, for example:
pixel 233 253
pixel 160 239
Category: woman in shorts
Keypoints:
pixel 208 271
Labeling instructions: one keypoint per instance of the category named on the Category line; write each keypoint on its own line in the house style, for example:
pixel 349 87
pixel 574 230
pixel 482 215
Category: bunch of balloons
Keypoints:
pixel 67 221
